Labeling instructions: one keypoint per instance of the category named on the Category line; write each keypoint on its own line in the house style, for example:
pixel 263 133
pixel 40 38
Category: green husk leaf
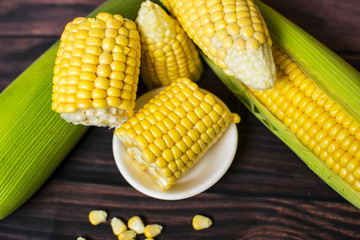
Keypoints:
pixel 314 65
pixel 332 74
pixel 34 139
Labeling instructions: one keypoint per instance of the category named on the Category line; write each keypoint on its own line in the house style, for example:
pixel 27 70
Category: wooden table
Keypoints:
pixel 268 192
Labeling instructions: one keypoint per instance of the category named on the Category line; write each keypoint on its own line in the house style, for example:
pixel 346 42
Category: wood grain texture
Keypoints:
pixel 268 192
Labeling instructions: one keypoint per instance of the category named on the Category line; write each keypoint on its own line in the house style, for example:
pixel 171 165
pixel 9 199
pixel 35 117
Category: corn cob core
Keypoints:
pixel 233 34
pixel 167 52
pixel 96 70
pixel 174 129
pixel 321 124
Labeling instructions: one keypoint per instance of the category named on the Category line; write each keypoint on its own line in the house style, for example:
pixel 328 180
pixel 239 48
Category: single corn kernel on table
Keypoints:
pixel 268 192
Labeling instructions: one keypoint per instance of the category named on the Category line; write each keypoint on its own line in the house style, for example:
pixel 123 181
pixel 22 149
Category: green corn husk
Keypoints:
pixel 336 78
pixel 33 138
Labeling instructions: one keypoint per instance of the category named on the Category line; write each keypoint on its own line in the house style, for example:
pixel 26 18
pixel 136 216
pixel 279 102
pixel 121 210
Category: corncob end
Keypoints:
pixel 96 70
pixel 167 52
pixel 233 35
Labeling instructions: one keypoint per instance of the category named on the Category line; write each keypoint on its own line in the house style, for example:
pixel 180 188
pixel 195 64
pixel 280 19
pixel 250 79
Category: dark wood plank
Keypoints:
pixel 268 192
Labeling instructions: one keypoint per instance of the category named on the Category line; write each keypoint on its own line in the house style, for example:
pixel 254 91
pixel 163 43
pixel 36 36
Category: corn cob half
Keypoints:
pixel 169 134
pixel 233 34
pixel 96 70
pixel 167 52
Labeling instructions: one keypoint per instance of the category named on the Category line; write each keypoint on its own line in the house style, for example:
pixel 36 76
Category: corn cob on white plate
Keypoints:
pixel 202 176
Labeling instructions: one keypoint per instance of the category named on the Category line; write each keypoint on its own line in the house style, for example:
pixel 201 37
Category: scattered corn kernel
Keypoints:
pixel 135 223
pixel 80 238
pixel 201 222
pixel 152 230
pixel 127 235
pixel 118 226
pixel 97 216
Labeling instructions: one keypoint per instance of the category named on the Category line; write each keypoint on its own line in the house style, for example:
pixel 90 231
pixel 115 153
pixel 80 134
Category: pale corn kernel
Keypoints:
pixel 135 223
pixel 201 222
pixel 117 226
pixel 127 235
pixel 97 216
pixel 80 238
pixel 152 230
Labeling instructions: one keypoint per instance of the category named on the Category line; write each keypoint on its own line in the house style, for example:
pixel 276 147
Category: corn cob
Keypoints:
pixel 233 34
pixel 320 123
pixel 167 52
pixel 174 129
pixel 96 70
pixel 309 107
pixel 34 139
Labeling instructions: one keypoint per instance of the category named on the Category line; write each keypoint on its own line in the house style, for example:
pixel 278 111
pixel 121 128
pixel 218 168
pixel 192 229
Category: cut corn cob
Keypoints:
pixel 167 52
pixel 174 129
pixel 232 34
pixel 96 70
pixel 313 116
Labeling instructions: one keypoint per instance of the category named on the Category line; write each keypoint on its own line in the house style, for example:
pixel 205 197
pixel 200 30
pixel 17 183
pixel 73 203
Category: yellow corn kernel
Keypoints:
pixel 171 141
pixel 80 238
pixel 200 222
pixel 319 123
pixel 97 216
pixel 233 35
pixel 117 226
pixel 135 223
pixel 101 73
pixel 127 235
pixel 152 230
pixel 167 52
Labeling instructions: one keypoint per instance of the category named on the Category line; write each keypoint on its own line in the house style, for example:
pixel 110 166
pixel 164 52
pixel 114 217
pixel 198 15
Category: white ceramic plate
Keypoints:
pixel 205 173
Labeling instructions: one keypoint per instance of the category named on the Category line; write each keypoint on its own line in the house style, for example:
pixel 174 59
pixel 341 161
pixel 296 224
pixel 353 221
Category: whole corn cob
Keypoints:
pixel 96 70
pixel 306 109
pixel 167 52
pixel 174 129
pixel 233 34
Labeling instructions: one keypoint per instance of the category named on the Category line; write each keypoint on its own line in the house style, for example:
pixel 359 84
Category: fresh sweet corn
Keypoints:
pixel 96 70
pixel 201 222
pixel 135 223
pixel 152 230
pixel 97 216
pixel 117 226
pixel 320 123
pixel 169 134
pixel 167 52
pixel 232 34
